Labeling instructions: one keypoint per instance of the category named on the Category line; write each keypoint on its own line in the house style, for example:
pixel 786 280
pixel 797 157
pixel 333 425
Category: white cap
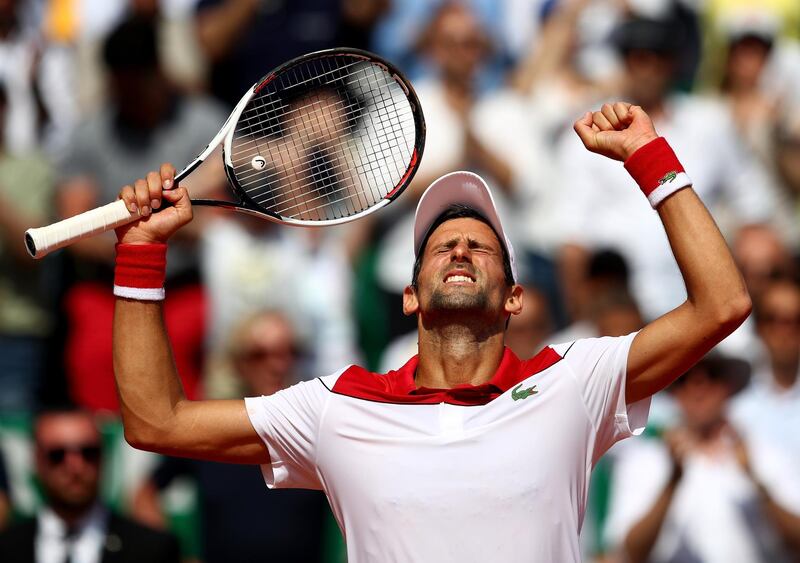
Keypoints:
pixel 459 188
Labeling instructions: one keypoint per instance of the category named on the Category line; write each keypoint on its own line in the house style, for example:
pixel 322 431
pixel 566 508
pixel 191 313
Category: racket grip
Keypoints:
pixel 43 240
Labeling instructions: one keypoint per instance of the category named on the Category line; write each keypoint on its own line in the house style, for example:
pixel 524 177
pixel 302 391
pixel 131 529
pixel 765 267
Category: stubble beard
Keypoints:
pixel 459 301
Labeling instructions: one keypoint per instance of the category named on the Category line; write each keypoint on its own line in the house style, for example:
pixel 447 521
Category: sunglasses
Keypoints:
pixel 89 452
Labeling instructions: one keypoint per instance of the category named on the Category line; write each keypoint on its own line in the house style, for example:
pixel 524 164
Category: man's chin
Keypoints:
pixel 457 301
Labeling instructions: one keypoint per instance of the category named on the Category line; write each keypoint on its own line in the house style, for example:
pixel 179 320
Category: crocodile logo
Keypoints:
pixel 667 178
pixel 518 394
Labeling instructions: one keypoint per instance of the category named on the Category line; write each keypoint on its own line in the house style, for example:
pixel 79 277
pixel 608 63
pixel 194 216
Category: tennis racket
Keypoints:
pixel 321 140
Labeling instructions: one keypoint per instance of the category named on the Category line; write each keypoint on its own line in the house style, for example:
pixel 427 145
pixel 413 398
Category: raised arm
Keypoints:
pixel 155 412
pixel 717 300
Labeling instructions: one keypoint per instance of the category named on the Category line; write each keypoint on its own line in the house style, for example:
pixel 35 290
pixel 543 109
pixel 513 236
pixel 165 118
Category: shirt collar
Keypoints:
pixel 502 380
pixel 51 524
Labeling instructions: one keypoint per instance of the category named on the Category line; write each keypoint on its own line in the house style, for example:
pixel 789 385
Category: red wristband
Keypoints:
pixel 140 271
pixel 657 170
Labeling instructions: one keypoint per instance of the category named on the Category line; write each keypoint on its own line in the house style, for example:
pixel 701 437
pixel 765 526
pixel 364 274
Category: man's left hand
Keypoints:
pixel 616 131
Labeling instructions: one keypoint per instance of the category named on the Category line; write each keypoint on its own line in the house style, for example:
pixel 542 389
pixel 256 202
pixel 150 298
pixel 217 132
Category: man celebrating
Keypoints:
pixel 466 453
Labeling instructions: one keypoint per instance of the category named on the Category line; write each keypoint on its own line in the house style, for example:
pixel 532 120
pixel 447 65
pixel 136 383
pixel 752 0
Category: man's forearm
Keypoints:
pixel 643 535
pixel 717 299
pixel 713 282
pixel 147 382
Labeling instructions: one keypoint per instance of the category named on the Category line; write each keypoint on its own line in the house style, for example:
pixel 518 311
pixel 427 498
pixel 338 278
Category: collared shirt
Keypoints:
pixel 85 542
pixel 494 472
pixel 770 412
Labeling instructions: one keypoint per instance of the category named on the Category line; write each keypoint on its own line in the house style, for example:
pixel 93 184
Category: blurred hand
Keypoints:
pixel 616 131
pixel 680 441
pixel 739 449
pixel 144 197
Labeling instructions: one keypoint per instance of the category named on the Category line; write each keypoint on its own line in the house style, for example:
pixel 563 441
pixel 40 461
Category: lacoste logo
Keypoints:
pixel 518 395
pixel 667 178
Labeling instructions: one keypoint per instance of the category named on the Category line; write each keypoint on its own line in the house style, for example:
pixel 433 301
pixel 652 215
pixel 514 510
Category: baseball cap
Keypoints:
pixel 459 188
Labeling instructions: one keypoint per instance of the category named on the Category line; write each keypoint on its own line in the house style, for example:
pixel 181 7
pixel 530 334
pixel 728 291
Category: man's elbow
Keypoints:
pixel 142 439
pixel 733 312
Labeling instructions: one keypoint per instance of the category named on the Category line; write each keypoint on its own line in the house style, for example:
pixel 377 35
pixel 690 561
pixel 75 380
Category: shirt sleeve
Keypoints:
pixel 599 366
pixel 288 423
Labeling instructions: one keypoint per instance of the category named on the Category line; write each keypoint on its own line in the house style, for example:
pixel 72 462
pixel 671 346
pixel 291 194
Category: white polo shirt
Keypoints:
pixel 496 472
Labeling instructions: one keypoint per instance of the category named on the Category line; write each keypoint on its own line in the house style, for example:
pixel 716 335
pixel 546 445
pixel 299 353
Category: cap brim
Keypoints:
pixel 458 188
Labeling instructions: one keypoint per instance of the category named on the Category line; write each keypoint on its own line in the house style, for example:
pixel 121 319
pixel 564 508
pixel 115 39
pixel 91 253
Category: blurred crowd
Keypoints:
pixel 95 93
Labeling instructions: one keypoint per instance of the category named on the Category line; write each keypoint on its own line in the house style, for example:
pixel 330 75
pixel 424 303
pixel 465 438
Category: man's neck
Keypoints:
pixel 72 516
pixel 458 354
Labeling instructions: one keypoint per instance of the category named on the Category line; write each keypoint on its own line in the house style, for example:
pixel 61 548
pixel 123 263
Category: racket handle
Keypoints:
pixel 42 241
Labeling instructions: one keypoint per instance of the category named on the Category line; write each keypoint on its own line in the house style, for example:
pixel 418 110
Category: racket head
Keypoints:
pixel 324 139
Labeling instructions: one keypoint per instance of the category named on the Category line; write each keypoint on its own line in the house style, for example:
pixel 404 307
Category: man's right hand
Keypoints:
pixel 145 196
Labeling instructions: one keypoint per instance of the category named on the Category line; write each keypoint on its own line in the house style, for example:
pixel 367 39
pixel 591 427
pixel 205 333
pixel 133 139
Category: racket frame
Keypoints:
pixel 244 204
pixel 38 241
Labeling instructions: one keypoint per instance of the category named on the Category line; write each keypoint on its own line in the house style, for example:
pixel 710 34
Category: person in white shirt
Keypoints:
pixel 704 493
pixel 466 453
pixel 770 407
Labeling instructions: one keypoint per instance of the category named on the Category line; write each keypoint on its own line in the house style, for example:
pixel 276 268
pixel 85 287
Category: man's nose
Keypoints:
pixel 461 253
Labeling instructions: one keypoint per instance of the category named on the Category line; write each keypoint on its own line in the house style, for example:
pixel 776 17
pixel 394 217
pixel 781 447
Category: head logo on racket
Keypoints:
pixel 258 163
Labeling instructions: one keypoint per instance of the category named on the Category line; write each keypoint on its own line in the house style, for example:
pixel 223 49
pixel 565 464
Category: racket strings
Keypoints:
pixel 335 133
pixel 312 146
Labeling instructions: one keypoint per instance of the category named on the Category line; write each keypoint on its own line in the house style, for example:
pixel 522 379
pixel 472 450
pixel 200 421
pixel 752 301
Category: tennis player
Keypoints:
pixel 466 453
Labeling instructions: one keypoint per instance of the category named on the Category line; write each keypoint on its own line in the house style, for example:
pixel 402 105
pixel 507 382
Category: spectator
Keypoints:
pixel 786 154
pixel 771 406
pixel 74 525
pixel 602 272
pixel 728 179
pixel 146 119
pixel 703 493
pixel 26 316
pixel 243 39
pixel 38 75
pixel 312 285
pixel 240 520
pixel 762 257
pixel 528 331
pixel 5 506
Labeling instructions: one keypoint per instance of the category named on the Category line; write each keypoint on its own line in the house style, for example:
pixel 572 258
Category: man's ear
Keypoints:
pixel 514 300
pixel 410 301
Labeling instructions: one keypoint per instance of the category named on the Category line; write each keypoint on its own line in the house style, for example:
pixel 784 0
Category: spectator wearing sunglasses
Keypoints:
pixel 771 406
pixel 73 525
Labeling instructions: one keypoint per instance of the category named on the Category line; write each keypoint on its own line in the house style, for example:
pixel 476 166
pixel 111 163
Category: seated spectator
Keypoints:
pixel 74 525
pixel 250 264
pixel 243 39
pixel 39 77
pixel 786 152
pixel 703 493
pixel 729 180
pixel 600 273
pixel 527 332
pixel 5 506
pixel 146 120
pixel 770 407
pixel 26 300
pixel 240 519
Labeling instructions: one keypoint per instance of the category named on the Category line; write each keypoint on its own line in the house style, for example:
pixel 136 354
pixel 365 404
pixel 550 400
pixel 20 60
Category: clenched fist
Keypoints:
pixel 145 196
pixel 616 131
